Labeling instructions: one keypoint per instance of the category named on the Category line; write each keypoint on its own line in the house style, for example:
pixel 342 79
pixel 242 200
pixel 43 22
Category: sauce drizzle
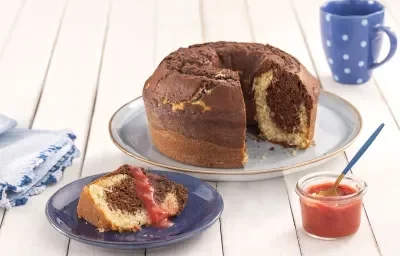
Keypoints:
pixel 158 216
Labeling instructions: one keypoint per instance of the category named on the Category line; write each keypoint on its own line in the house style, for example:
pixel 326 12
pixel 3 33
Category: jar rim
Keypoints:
pixel 342 199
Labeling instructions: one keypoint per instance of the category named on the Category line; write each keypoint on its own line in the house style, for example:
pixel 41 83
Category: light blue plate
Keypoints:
pixel 338 125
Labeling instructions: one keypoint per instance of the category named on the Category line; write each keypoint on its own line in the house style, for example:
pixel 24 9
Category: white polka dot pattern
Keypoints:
pixel 364 22
pixel 328 17
pixel 328 43
pixel 363 43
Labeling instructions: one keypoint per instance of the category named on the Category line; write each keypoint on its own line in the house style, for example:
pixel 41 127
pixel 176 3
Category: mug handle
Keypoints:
pixel 393 45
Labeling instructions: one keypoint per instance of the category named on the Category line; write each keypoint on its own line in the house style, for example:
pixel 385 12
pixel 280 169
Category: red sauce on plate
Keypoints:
pixel 158 216
pixel 331 219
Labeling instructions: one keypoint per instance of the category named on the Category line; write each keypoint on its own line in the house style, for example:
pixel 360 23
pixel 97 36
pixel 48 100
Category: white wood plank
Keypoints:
pixel 127 63
pixel 262 13
pixel 379 166
pixel 21 106
pixel 26 59
pixel 226 20
pixel 9 11
pixel 384 75
pixel 128 60
pixel 66 102
pixel 257 219
pixel 185 28
pixel 268 32
pixel 257 216
pixel 393 8
pixel 96 251
pixel 186 31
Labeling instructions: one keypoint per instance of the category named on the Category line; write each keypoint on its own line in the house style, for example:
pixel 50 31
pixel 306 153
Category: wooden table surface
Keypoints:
pixel 73 63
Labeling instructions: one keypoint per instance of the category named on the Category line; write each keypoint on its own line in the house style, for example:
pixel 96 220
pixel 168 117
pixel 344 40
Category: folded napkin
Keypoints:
pixel 30 160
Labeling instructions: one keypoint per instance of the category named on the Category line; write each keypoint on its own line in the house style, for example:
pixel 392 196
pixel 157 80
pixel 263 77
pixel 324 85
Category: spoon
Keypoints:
pixel 332 191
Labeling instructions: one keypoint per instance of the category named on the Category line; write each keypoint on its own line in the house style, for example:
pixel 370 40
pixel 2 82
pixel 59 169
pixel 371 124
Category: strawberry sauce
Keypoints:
pixel 158 216
pixel 331 219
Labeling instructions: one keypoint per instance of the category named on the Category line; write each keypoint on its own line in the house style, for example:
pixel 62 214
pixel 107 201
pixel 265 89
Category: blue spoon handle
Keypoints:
pixel 363 149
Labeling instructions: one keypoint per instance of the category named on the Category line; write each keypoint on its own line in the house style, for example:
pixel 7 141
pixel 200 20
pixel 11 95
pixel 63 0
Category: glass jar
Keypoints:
pixel 330 217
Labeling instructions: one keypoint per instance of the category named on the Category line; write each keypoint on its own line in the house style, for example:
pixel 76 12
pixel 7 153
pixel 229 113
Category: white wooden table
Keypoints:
pixel 72 63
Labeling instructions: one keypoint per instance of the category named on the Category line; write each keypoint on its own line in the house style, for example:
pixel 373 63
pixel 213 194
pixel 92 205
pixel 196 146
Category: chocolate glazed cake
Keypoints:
pixel 128 198
pixel 200 100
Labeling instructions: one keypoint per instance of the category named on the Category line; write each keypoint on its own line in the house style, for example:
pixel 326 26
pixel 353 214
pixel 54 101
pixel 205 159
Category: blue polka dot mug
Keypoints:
pixel 352 32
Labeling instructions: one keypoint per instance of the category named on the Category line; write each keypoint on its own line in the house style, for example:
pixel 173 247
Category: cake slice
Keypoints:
pixel 286 106
pixel 129 198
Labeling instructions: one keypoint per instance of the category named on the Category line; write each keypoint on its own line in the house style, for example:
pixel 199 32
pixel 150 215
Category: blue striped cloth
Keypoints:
pixel 30 160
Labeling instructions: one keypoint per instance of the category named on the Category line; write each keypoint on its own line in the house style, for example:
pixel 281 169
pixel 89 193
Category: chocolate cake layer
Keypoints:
pixel 163 187
pixel 124 197
pixel 284 98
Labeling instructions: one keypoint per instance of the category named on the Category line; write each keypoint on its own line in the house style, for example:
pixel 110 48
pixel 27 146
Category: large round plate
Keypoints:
pixel 338 125
pixel 204 206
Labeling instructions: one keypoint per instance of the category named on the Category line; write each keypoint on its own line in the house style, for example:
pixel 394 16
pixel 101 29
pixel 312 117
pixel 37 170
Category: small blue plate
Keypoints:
pixel 204 206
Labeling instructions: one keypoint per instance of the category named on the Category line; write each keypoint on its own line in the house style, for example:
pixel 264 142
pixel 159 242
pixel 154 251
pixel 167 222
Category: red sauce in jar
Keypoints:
pixel 331 219
pixel 158 216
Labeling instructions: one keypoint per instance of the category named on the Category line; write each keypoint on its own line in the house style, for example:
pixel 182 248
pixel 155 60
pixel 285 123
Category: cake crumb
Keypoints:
pixel 271 148
pixel 294 152
pixel 313 143
pixel 220 74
